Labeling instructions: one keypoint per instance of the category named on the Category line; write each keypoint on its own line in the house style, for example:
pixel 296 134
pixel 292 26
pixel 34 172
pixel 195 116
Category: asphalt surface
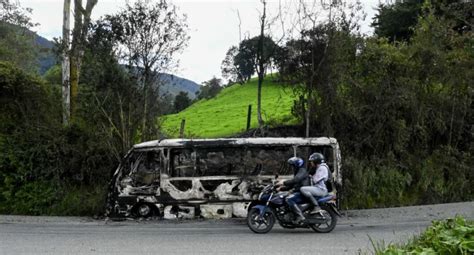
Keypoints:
pixel 354 233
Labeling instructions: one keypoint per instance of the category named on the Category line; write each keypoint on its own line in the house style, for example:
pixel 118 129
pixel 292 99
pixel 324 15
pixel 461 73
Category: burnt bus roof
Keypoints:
pixel 268 141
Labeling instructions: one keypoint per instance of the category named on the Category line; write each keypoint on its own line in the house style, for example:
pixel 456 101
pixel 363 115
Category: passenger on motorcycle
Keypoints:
pixel 319 172
pixel 299 180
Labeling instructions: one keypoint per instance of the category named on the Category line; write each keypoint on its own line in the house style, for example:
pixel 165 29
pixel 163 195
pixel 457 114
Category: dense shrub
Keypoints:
pixel 406 130
pixel 444 176
pixel 46 168
pixel 451 236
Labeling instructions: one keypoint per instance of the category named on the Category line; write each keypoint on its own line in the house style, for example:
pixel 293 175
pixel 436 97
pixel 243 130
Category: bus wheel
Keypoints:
pixel 144 210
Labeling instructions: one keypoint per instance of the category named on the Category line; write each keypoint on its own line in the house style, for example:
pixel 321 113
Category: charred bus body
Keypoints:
pixel 212 178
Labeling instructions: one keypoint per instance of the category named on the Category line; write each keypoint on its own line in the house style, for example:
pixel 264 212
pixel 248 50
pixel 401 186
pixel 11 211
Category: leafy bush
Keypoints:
pixel 375 183
pixel 451 236
pixel 33 198
pixel 87 200
pixel 444 176
pixel 46 168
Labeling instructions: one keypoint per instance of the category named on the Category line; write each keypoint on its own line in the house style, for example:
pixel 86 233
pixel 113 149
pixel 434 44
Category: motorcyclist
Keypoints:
pixel 299 180
pixel 319 171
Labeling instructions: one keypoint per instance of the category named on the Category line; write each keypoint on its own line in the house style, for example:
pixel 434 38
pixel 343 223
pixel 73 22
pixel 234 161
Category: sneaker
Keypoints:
pixel 298 220
pixel 316 210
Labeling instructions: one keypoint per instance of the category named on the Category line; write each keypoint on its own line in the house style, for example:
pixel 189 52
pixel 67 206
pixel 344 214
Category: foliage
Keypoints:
pixel 411 101
pixel 396 21
pixel 181 101
pixel 226 114
pixel 77 200
pixel 111 98
pixel 53 75
pixel 241 63
pixel 148 37
pixel 451 236
pixel 37 176
pixel 317 63
pixel 12 13
pixel 150 33
pixel 377 183
pixel 25 100
pixel 210 88
pixel 385 182
pixel 229 70
pixel 40 160
pixel 17 42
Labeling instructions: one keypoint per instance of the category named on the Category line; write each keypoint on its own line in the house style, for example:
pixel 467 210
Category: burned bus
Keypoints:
pixel 211 178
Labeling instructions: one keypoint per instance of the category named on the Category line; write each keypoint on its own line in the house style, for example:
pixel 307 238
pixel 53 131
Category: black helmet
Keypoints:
pixel 317 158
pixel 296 162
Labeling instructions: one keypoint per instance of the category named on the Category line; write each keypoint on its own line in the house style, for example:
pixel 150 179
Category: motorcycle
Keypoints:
pixel 271 206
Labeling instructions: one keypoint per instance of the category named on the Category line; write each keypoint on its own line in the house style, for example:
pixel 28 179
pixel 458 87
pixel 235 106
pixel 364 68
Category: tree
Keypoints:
pixel 181 101
pixel 210 88
pixel 318 59
pixel 111 96
pixel 240 63
pixel 26 101
pixel 73 52
pixel 149 37
pixel 260 65
pixel 17 42
pixel 66 64
pixel 14 14
pixel 229 67
pixel 396 21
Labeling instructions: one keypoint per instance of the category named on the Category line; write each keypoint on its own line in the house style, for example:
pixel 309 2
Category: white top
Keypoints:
pixel 321 176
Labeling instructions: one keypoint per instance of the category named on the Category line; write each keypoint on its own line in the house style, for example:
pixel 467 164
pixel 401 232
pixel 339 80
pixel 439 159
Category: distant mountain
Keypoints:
pixel 46 58
pixel 172 84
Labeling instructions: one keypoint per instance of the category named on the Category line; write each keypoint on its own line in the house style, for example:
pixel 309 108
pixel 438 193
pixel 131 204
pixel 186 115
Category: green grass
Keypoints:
pixel 226 114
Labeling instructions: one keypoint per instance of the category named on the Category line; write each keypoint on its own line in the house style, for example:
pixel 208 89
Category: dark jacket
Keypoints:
pixel 301 179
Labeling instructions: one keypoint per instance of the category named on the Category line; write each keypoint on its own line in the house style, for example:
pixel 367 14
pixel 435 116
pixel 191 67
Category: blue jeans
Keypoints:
pixel 313 191
pixel 295 198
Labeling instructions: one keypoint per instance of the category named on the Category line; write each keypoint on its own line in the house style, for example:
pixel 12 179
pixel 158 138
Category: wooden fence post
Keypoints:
pixel 181 130
pixel 249 116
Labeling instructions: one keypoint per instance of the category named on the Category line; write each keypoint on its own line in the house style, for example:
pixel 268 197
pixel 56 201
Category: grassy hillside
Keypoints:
pixel 226 114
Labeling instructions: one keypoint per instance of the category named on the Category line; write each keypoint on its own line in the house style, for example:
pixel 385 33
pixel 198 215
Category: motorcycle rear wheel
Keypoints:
pixel 327 226
pixel 260 225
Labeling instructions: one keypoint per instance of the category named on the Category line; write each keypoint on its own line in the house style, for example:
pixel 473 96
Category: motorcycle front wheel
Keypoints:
pixel 260 224
pixel 329 225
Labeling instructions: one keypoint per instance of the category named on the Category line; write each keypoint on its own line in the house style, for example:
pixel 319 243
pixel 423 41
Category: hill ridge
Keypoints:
pixel 226 114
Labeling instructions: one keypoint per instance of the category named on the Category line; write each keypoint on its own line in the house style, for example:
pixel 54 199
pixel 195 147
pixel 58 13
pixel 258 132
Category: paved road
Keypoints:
pixel 62 235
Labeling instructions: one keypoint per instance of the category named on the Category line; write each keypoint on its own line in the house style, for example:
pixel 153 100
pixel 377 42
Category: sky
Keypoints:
pixel 214 27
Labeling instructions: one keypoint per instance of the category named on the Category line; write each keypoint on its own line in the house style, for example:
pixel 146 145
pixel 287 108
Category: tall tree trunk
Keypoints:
pixel 260 69
pixel 74 85
pixel 65 62
pixel 308 116
pixel 74 56
pixel 81 23
pixel 310 89
pixel 145 104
